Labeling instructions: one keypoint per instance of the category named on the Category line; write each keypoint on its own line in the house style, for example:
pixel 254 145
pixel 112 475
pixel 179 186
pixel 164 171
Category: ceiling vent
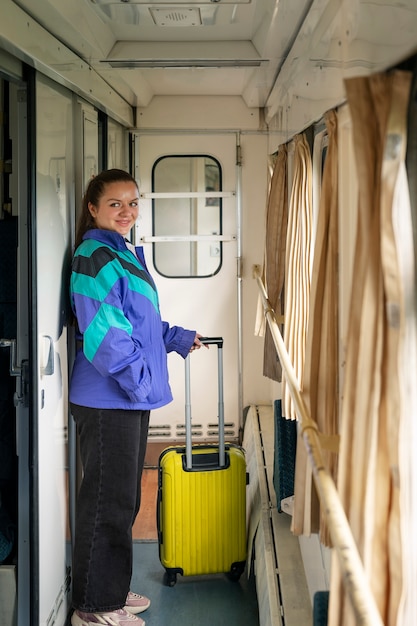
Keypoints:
pixel 182 63
pixel 176 16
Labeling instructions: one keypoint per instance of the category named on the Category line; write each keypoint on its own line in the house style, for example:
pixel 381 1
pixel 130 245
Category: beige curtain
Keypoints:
pixel 297 265
pixel 274 267
pixel 405 203
pixel 320 380
pixel 368 478
pixel 408 404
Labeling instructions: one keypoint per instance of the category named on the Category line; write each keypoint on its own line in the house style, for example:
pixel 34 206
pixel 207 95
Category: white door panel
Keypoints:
pixel 53 229
pixel 208 305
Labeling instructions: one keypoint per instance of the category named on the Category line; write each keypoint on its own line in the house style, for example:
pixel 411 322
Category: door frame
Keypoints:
pixel 25 398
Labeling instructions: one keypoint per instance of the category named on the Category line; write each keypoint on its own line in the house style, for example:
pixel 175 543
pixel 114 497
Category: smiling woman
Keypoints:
pixel 117 208
pixel 120 373
pixel 110 202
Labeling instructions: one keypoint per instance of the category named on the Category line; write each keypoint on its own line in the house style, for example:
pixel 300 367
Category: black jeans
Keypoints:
pixel 112 449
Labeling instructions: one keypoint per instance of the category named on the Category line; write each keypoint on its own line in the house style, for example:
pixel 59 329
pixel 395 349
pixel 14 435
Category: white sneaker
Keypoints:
pixel 120 617
pixel 136 603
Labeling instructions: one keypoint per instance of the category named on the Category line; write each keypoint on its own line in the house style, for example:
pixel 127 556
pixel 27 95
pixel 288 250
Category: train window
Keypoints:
pixel 187 215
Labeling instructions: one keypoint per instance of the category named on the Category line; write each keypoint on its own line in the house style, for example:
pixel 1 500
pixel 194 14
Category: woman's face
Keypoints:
pixel 118 207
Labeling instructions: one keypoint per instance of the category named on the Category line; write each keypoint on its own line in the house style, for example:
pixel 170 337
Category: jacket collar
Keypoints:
pixel 109 237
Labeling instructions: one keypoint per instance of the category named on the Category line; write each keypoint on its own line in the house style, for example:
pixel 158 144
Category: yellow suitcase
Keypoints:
pixel 201 512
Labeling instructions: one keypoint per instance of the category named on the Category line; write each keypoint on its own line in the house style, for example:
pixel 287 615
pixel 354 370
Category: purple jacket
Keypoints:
pixel 122 361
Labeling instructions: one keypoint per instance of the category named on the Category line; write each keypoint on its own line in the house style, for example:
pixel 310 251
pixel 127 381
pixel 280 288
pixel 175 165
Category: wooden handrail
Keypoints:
pixel 353 573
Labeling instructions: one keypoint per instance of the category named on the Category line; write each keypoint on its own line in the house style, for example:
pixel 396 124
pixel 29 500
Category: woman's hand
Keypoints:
pixel 197 343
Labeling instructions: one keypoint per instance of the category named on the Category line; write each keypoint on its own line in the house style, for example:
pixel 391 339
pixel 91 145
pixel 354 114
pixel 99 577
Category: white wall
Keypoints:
pixel 257 388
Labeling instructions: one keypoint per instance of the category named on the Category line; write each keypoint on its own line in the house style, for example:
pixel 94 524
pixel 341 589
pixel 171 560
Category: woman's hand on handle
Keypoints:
pixel 197 343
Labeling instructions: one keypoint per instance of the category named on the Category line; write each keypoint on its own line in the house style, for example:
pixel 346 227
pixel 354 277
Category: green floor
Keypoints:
pixel 194 600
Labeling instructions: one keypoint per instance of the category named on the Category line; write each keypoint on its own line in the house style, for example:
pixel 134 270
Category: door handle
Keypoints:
pixel 14 369
pixel 49 368
pixel 22 371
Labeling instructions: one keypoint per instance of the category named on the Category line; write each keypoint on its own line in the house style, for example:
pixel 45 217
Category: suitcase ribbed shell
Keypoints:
pixel 202 513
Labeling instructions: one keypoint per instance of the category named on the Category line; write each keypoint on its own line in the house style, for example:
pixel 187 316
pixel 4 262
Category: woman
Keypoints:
pixel 119 375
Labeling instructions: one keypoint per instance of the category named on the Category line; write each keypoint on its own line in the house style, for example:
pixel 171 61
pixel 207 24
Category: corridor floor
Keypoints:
pixel 194 600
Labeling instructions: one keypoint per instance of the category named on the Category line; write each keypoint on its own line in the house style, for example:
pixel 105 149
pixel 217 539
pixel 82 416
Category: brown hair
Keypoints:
pixel 95 189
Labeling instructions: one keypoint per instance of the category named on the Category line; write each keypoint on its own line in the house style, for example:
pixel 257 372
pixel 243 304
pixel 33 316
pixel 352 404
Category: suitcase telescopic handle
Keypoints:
pixel 188 443
pixel 212 340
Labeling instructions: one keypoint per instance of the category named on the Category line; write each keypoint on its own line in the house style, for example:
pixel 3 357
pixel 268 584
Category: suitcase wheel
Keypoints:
pixel 170 578
pixel 236 571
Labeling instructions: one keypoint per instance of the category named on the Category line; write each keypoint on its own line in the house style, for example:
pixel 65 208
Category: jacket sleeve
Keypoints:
pixel 178 339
